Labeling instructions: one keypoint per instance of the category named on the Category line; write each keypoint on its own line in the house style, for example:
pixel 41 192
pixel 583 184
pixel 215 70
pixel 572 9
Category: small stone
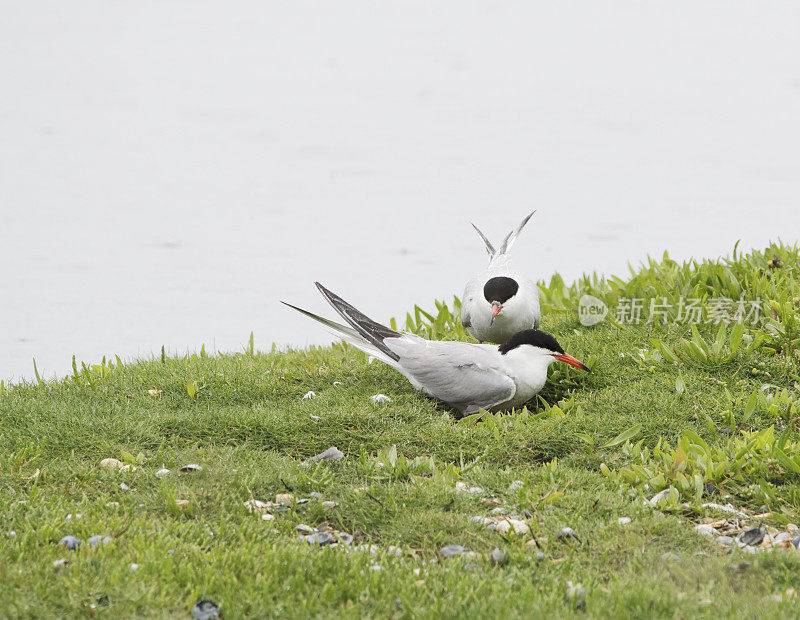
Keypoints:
pixel 182 503
pixel 124 486
pixel 161 473
pixel 567 533
pixel 395 551
pixel 316 418
pixel 134 566
pixel 658 498
pixel 706 529
pixel 154 392
pixel 331 454
pixel 285 499
pixel 624 520
pixel 328 504
pixel 371 549
pixel 60 563
pixel 267 517
pixel 112 505
pixel 191 467
pixel 303 501
pixel 451 551
pixel 791 527
pixel 498 557
pixel 95 541
pixel 114 464
pixel 319 538
pixel 751 537
pixel 305 529
pixel 781 537
pixel 507 525
pixel 475 490
pixel 515 486
pixel 205 610
pixel 481 520
pixel 309 395
pixel 344 538
pixel 70 542
pixel 739 567
pixel 725 541
pixel 376 567
pixel 796 542
pixel 670 558
pixel 257 506
pixel 540 556
pixel 491 501
pixel 380 398
pixel 315 494
pixel 461 487
pixel 72 516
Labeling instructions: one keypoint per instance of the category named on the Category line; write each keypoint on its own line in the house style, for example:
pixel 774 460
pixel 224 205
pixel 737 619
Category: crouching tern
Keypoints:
pixel 500 301
pixel 466 376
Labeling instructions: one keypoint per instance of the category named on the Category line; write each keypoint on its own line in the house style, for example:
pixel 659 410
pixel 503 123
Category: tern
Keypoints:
pixel 500 301
pixel 466 376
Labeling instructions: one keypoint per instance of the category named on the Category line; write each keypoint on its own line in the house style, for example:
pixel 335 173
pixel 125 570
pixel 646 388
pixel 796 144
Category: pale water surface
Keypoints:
pixel 170 169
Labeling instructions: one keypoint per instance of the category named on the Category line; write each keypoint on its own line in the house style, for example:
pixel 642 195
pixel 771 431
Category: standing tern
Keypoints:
pixel 466 376
pixel 500 301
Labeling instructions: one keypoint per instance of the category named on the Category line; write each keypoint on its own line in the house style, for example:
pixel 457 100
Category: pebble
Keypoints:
pixel 302 501
pixel 659 497
pixel 316 418
pixel 516 485
pixel 624 520
pixel 706 529
pixel 205 610
pixel 70 542
pixel 315 494
pixel 112 505
pixel 395 551
pixel 309 395
pixel 115 464
pixel 371 549
pixel 305 529
pixel 380 398
pixel 191 467
pixel 134 566
pixel 267 517
pixel 451 551
pixel 506 525
pixel 94 541
pixel 256 505
pixel 331 454
pixel 670 558
pixel 72 516
pixel 751 537
pixel 162 472
pixel 567 533
pixel 182 503
pixel 124 486
pixel 781 536
pixel 320 538
pixel 791 527
pixel 540 556
pixel 285 499
pixel 344 538
pixel 739 567
pixel 60 563
pixel 498 557
pixel 481 520
pixel 725 541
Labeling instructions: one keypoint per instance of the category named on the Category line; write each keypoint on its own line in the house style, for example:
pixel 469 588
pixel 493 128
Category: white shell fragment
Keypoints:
pixel 309 395
pixel 380 398
pixel 163 472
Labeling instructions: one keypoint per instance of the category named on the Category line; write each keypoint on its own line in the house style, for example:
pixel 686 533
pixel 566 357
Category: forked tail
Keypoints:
pixel 511 237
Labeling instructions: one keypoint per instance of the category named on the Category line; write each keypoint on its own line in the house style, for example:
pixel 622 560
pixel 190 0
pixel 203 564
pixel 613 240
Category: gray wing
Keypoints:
pixel 466 303
pixel 457 373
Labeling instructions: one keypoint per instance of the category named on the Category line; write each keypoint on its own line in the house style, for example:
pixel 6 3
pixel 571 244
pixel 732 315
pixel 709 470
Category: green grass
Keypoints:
pixel 242 417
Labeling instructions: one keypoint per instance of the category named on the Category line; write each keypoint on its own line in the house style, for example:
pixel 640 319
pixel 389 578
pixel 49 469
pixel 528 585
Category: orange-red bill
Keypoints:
pixel 496 308
pixel 568 359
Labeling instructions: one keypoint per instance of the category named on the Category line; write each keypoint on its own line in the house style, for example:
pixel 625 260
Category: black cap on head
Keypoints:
pixel 533 337
pixel 500 289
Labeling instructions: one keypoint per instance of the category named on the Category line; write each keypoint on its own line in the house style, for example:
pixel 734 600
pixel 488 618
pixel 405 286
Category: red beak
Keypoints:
pixel 567 358
pixel 496 308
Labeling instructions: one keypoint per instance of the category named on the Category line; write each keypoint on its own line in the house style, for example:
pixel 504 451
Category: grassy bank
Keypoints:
pixel 707 414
